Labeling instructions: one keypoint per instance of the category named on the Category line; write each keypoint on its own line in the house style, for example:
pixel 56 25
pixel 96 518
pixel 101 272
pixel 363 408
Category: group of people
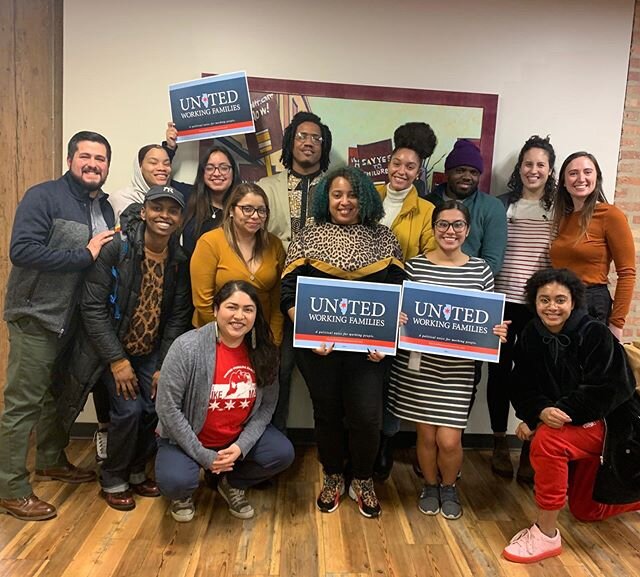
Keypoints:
pixel 182 326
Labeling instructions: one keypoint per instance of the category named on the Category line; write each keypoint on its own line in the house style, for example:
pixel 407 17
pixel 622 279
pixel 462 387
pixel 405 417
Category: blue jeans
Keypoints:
pixel 132 430
pixel 178 475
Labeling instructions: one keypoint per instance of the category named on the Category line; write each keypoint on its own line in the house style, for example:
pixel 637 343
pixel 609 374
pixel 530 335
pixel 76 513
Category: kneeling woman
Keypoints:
pixel 574 391
pixel 215 400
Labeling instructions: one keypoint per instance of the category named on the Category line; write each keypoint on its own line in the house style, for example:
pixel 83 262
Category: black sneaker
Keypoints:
pixel 449 502
pixel 332 489
pixel 363 491
pixel 429 500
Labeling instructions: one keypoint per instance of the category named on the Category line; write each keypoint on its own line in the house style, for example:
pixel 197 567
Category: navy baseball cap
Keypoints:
pixel 165 192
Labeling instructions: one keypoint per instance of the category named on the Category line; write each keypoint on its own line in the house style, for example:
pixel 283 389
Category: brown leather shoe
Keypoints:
pixel 28 508
pixel 147 488
pixel 122 501
pixel 68 474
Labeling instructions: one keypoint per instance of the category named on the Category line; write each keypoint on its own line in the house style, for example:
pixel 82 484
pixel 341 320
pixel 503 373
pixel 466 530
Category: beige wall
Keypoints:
pixel 560 68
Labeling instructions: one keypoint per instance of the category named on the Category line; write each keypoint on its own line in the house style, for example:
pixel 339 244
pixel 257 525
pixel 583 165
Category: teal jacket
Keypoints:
pixel 488 234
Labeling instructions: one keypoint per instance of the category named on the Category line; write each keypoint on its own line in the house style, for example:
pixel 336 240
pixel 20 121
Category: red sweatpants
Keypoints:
pixel 565 462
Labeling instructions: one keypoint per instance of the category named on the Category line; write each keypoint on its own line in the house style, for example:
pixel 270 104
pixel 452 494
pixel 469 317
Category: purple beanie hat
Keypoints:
pixel 464 153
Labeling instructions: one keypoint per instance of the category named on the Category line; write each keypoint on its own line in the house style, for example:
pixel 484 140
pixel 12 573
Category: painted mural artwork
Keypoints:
pixel 362 120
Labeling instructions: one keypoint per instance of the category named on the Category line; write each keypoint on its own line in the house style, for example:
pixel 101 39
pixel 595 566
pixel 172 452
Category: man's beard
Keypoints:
pixel 89 187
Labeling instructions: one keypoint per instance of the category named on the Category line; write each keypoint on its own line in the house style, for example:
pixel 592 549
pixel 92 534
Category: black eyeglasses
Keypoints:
pixel 302 136
pixel 249 210
pixel 457 225
pixel 223 169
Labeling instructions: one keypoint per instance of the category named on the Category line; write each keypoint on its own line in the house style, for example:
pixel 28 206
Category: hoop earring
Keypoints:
pixel 253 338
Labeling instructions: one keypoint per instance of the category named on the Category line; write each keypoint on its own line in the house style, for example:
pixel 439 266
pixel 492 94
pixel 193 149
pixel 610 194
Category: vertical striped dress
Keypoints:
pixel 440 392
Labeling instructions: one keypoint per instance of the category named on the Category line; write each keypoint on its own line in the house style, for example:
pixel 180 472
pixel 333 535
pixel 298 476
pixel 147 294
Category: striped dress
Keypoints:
pixel 440 392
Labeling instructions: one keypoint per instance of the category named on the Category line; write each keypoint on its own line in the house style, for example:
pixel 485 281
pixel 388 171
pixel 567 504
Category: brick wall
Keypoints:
pixel 627 195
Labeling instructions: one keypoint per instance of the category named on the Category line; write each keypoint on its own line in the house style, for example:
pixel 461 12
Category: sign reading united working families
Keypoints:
pixel 211 107
pixel 354 316
pixel 451 322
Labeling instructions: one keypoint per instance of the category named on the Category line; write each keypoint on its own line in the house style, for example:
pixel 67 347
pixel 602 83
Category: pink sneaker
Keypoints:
pixel 532 545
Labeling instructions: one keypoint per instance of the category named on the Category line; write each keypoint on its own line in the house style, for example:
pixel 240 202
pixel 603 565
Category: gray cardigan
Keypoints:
pixel 183 397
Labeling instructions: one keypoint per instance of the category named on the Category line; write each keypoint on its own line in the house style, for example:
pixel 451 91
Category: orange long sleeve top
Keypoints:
pixel 608 238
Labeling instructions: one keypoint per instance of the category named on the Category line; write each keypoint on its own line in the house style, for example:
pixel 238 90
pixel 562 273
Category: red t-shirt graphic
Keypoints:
pixel 233 393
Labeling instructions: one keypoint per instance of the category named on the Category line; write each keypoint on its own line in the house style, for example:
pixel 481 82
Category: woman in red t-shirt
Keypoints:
pixel 215 400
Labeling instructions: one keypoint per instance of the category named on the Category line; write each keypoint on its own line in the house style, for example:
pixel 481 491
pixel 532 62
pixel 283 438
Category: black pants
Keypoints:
pixel 599 302
pixel 346 391
pixel 499 373
pixel 101 401
pixel 287 364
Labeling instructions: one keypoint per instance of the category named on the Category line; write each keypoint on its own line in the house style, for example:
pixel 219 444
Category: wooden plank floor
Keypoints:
pixel 288 537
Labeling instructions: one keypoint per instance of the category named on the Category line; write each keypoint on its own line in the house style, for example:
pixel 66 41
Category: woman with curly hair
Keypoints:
pixel 528 202
pixel 346 242
pixel 591 234
pixel 409 217
pixel 575 393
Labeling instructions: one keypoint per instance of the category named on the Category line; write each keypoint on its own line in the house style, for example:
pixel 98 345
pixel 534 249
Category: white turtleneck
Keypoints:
pixel 392 204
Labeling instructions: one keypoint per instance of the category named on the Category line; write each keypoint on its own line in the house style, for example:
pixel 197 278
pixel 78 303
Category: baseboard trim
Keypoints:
pixel 303 437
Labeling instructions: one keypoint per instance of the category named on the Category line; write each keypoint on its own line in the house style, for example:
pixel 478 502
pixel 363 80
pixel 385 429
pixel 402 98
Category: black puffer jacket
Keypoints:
pixel 583 370
pixel 109 297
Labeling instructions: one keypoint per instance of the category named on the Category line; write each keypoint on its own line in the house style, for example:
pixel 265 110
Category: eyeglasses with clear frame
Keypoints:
pixel 249 210
pixel 457 225
pixel 315 138
pixel 223 169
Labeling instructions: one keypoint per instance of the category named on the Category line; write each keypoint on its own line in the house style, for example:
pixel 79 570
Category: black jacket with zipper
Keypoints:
pixel 110 294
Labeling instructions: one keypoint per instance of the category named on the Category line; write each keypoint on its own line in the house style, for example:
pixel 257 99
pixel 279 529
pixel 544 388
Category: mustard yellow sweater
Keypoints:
pixel 215 263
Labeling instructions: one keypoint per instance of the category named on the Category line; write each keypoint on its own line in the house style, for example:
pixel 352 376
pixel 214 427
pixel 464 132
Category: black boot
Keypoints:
pixel 525 470
pixel 501 458
pixel 384 460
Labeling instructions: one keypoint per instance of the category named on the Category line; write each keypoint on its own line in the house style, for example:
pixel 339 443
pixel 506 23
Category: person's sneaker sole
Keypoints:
pixel 450 516
pixel 183 516
pixel 534 559
pixel 364 513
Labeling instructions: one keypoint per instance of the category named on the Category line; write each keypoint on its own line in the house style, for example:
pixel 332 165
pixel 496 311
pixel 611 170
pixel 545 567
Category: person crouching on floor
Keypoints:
pixel 217 393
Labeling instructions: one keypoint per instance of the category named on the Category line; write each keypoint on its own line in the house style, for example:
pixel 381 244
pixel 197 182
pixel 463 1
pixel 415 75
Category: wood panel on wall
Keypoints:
pixel 30 114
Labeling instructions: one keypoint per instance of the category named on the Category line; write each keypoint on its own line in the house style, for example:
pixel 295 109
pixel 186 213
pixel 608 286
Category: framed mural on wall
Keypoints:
pixel 362 120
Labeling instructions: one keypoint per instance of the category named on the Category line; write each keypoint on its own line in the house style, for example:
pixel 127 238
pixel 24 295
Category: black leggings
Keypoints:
pixel 346 391
pixel 499 373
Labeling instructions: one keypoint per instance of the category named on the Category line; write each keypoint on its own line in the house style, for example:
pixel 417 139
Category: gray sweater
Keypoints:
pixel 183 397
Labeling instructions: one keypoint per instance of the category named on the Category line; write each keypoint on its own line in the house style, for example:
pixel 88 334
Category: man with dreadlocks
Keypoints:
pixel 306 144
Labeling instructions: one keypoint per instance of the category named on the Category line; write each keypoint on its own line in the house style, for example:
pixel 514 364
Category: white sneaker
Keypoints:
pixel 100 439
pixel 183 510
pixel 531 545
